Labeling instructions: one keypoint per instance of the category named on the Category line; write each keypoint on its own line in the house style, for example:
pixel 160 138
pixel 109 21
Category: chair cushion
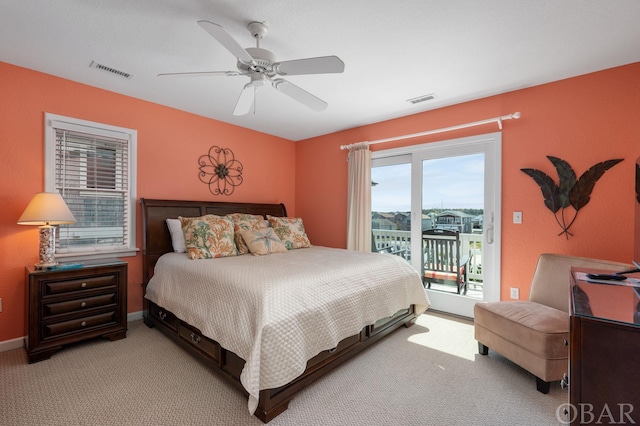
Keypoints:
pixel 445 276
pixel 437 275
pixel 540 329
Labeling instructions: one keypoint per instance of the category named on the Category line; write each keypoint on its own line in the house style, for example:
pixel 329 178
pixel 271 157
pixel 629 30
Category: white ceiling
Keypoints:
pixel 459 50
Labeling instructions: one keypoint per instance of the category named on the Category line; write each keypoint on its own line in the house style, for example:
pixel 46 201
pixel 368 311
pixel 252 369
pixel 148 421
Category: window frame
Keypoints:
pixel 53 122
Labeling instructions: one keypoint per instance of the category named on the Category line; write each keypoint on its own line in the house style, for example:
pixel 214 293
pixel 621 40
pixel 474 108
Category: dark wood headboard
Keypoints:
pixel 156 239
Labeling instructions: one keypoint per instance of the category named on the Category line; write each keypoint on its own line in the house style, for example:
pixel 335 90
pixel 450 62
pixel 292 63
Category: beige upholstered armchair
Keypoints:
pixel 534 334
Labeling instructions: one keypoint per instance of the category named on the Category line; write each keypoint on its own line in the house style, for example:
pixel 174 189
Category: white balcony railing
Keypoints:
pixel 400 242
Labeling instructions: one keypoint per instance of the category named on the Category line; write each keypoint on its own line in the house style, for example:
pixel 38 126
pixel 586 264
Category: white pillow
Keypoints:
pixel 177 236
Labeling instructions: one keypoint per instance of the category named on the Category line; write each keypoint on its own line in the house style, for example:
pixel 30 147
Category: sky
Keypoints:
pixel 452 182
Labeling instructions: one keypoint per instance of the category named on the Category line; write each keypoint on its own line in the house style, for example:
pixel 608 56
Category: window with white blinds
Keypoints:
pixel 92 166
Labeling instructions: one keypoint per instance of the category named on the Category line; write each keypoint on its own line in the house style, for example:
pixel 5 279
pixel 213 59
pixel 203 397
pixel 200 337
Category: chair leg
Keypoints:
pixel 542 386
pixel 482 349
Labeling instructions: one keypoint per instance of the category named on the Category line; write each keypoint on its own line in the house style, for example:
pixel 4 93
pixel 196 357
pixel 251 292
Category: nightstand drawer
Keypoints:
pixel 79 304
pixel 80 324
pixel 51 288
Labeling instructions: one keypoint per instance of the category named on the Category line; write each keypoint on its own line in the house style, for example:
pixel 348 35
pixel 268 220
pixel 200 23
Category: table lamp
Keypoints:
pixel 47 209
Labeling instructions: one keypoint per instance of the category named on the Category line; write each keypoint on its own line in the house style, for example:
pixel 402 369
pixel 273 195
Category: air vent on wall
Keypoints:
pixel 422 98
pixel 110 70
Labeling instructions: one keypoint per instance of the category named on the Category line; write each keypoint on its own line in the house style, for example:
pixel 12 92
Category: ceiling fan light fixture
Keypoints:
pixel 257 79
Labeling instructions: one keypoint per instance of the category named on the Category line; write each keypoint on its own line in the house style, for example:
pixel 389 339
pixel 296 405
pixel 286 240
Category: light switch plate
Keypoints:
pixel 515 293
pixel 517 217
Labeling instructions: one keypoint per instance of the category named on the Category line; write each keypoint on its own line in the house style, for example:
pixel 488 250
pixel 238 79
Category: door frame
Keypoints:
pixel 491 145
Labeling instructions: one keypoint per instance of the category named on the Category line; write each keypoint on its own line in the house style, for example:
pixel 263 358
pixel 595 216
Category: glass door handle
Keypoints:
pixel 489 231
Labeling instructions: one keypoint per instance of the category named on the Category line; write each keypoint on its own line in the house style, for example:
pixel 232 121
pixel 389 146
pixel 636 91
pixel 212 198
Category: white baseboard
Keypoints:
pixel 134 316
pixel 9 345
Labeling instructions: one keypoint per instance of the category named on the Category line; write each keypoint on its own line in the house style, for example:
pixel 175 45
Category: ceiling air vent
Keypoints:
pixel 113 71
pixel 422 98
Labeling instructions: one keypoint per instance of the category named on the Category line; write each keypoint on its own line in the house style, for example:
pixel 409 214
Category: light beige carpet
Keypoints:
pixel 429 374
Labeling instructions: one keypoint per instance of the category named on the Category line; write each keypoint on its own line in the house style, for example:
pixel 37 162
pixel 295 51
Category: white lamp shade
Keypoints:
pixel 47 208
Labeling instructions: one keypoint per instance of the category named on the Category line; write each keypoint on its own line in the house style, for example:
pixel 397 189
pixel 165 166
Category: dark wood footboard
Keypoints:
pixel 271 401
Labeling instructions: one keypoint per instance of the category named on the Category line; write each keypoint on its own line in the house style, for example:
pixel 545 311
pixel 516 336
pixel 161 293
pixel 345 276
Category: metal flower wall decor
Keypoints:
pixel 220 171
pixel 569 191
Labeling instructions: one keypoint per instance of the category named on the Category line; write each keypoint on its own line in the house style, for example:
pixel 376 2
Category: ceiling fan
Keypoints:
pixel 261 67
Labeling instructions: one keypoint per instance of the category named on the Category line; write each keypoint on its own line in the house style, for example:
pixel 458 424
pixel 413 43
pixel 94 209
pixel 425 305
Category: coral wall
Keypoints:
pixel 583 120
pixel 169 145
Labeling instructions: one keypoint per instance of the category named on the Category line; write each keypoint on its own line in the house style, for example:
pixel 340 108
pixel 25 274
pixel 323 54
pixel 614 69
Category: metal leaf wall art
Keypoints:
pixel 569 191
pixel 220 171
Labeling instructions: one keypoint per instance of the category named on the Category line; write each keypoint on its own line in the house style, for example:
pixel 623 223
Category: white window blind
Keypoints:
pixel 92 170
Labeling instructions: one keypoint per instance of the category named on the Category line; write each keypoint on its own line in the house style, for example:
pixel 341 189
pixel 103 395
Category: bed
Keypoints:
pixel 267 331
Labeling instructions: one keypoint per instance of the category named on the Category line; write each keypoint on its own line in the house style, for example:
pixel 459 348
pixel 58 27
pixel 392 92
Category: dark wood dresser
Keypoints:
pixel 69 305
pixel 604 379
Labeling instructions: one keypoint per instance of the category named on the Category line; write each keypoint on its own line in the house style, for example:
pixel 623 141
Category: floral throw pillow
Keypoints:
pixel 208 236
pixel 291 231
pixel 263 241
pixel 243 222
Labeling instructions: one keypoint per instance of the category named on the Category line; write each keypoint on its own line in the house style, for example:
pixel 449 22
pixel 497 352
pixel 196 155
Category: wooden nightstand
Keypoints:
pixel 67 306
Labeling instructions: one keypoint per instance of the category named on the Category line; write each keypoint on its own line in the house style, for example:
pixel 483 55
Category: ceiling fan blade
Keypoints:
pixel 198 74
pixel 319 65
pixel 226 40
pixel 299 94
pixel 246 99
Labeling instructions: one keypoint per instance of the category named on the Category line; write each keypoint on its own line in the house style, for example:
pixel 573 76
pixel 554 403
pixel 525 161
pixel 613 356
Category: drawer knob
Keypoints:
pixel 566 343
pixel 83 323
pixel 83 285
pixel 83 304
pixel 195 338
pixel 332 351
pixel 162 315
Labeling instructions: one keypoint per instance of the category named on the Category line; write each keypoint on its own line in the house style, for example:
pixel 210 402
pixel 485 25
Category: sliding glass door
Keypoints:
pixel 440 203
pixel 453 211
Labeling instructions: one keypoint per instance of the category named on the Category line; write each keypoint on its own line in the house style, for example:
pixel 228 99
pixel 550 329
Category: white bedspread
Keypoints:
pixel 278 311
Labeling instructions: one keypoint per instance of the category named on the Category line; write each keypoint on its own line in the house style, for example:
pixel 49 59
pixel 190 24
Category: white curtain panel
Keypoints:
pixel 359 194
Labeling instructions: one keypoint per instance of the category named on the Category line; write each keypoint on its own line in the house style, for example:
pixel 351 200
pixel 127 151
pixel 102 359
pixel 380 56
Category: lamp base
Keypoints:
pixel 47 249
